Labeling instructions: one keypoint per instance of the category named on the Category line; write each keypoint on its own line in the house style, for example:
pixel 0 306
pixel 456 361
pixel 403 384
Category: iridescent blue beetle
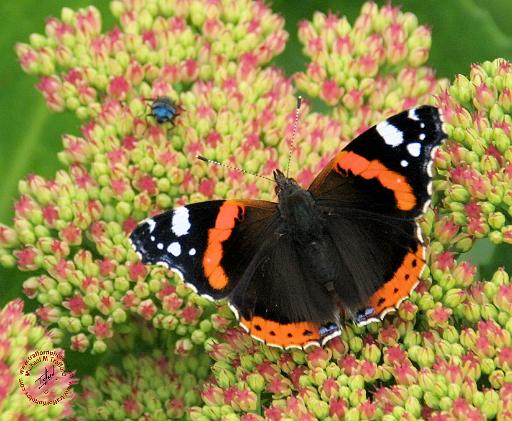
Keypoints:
pixel 164 109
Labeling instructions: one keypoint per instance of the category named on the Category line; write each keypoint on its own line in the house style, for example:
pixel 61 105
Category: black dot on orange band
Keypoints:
pixel 307 333
pixel 257 327
pixel 407 277
pixel 342 171
pixel 381 301
pixel 395 290
pixel 290 335
pixel 272 333
pixel 414 263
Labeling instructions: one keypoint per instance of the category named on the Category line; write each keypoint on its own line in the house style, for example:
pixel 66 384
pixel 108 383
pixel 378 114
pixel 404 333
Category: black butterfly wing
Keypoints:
pixel 277 302
pixel 210 244
pixel 371 193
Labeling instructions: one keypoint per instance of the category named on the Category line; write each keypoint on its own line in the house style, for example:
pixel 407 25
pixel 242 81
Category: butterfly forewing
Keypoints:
pixel 396 154
pixel 200 241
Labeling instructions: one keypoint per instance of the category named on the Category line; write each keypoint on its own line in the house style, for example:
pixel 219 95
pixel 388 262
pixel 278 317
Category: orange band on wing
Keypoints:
pixel 401 284
pixel 358 165
pixel 285 335
pixel 228 214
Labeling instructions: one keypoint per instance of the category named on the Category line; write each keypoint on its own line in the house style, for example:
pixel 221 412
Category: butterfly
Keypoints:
pixel 350 240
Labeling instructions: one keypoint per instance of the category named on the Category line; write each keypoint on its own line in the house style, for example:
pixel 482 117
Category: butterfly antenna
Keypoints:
pixel 211 161
pixel 294 131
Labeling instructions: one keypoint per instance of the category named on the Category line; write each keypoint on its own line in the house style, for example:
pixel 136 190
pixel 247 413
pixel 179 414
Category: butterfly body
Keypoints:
pixel 350 240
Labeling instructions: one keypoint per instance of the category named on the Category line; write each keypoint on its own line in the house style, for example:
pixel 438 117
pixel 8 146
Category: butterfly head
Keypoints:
pixel 284 185
pixel 296 206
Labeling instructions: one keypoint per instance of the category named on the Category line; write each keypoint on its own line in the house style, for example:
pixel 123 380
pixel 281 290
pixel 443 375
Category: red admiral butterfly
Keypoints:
pixel 350 239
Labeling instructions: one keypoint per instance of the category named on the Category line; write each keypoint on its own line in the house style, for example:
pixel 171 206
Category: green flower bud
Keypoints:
pixel 319 408
pixel 445 403
pixel 454 297
pixel 372 353
pixel 99 347
pixel 491 404
pixel 256 382
pixel 413 406
pixel 352 415
pixel 356 344
pixel 431 400
pixel 500 277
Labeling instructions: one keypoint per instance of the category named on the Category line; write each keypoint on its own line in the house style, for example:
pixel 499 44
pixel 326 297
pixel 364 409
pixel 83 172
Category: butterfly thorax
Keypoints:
pixel 297 210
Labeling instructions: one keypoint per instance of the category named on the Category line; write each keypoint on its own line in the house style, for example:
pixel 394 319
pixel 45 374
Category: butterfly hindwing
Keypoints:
pixel 278 302
pixel 372 192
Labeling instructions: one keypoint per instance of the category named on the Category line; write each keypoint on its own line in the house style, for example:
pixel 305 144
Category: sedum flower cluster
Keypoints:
pixel 158 387
pixel 20 338
pixel 447 352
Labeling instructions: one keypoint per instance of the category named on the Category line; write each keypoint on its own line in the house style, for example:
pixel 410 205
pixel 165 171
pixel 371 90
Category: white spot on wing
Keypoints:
pixel 162 263
pixel 192 252
pixel 174 249
pixel 431 163
pixel 310 344
pixel 293 347
pixel 404 163
pixel 412 114
pixel 426 205
pixel 180 222
pixel 151 224
pixel 414 149
pixel 192 287
pixel 391 135
pixel 160 246
pixel 176 271
pixel 368 321
pixel 235 311
pixel 271 344
pixel 258 339
pixel 419 234
pixel 422 136
pixel 333 335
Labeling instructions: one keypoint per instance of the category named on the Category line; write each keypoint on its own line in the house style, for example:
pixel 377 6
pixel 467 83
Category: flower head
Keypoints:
pixel 22 342
pixel 445 354
pixel 155 385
